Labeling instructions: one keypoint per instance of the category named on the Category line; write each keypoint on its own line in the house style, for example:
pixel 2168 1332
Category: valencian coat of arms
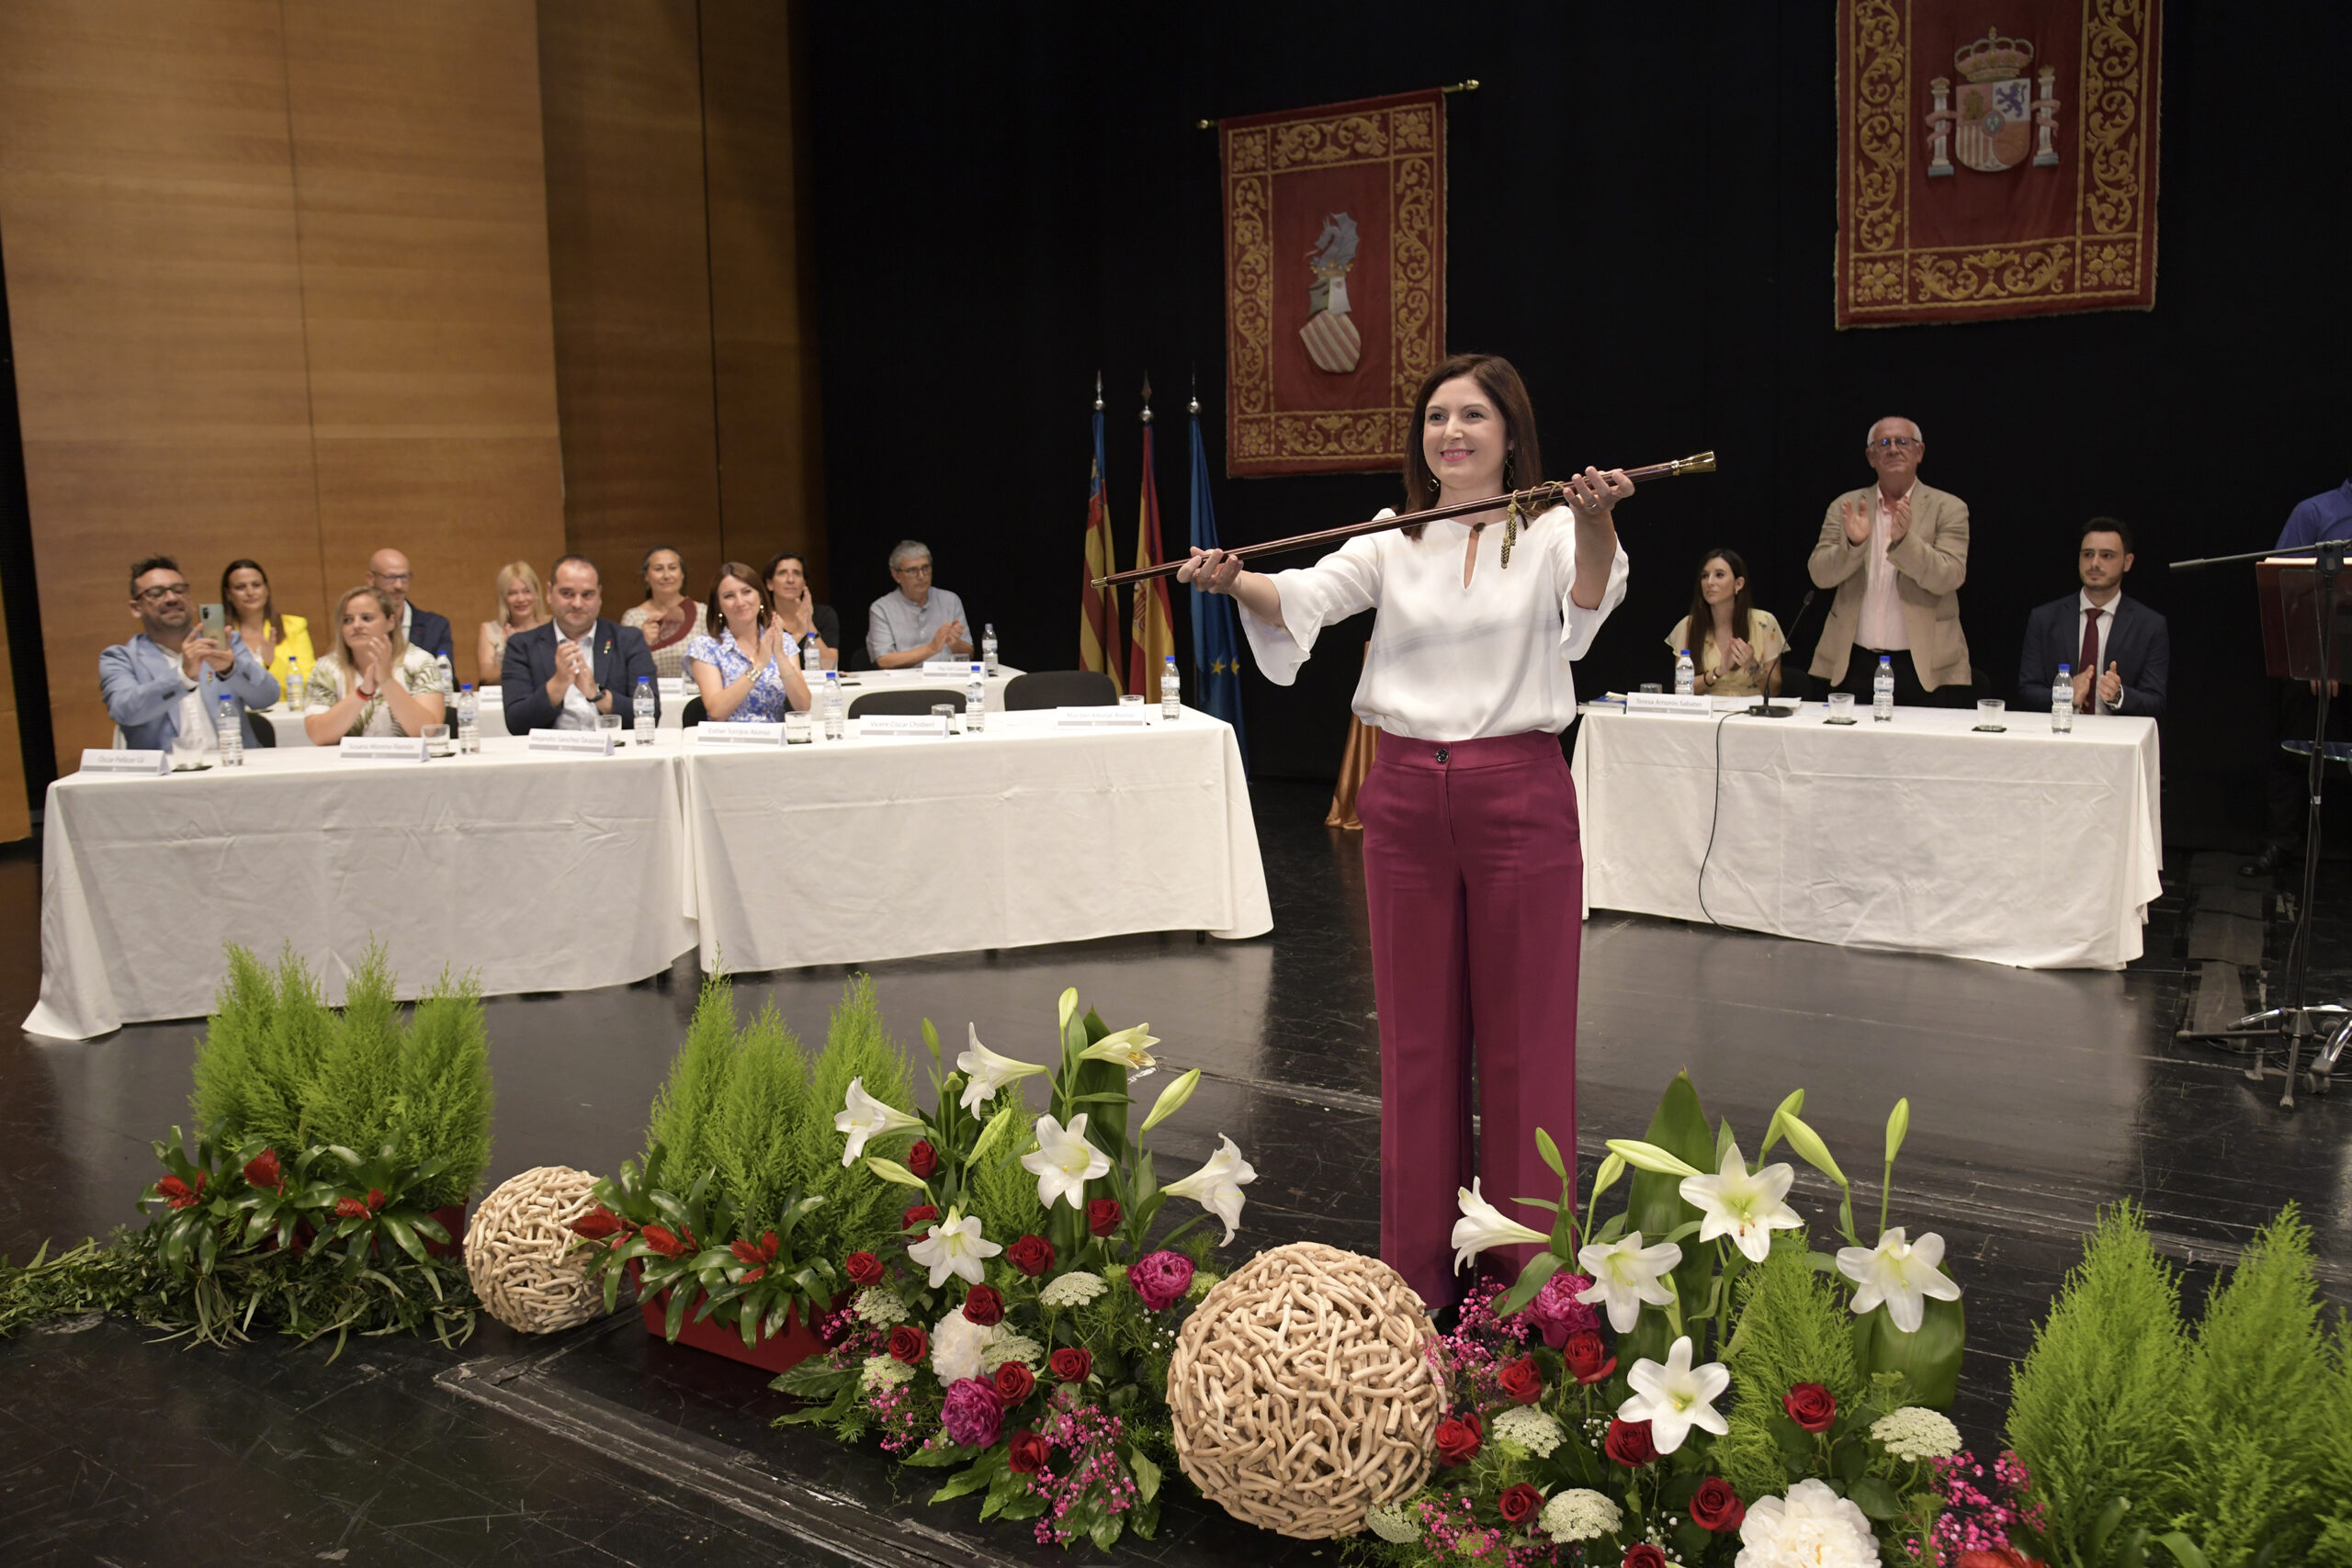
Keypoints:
pixel 1999 114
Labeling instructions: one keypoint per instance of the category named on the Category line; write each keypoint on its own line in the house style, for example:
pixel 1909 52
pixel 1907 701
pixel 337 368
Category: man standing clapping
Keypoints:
pixel 1896 553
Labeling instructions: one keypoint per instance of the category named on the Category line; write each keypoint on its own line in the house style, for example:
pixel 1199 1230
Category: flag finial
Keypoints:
pixel 1194 407
pixel 1147 398
pixel 1097 391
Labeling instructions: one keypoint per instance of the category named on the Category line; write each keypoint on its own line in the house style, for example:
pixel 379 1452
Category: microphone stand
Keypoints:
pixel 1768 708
pixel 2293 1018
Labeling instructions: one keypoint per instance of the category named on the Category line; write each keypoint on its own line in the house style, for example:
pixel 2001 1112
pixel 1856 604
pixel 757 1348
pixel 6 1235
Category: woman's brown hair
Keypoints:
pixel 1523 464
pixel 269 601
pixel 1703 614
pixel 741 572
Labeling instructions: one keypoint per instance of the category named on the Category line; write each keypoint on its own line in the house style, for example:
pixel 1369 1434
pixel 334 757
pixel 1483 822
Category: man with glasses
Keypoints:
pixel 1896 552
pixel 163 687
pixel 389 570
pixel 918 621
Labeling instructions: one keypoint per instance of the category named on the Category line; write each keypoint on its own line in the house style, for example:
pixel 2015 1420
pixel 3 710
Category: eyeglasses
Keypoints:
pixel 923 570
pixel 393 576
pixel 157 594
pixel 1898 443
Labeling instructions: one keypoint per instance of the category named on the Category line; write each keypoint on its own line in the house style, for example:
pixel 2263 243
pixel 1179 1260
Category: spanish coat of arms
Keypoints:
pixel 1998 114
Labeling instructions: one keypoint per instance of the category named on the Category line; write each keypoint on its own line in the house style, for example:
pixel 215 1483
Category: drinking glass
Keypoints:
pixel 1990 709
pixel 610 722
pixel 1841 704
pixel 436 739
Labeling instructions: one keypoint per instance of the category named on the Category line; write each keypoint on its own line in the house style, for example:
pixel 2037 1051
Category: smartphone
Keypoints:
pixel 210 622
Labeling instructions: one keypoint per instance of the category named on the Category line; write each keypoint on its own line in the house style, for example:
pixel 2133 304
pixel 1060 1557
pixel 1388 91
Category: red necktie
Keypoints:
pixel 2090 655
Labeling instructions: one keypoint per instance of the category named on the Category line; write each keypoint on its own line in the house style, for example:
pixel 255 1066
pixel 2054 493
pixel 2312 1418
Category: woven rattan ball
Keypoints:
pixel 515 1246
pixel 1302 1393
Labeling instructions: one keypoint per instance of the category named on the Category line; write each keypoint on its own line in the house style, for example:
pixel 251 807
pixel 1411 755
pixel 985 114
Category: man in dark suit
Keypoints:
pixel 2120 650
pixel 563 673
pixel 388 570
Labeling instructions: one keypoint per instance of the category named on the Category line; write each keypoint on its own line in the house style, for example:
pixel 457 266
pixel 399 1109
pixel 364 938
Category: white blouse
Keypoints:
pixel 1448 662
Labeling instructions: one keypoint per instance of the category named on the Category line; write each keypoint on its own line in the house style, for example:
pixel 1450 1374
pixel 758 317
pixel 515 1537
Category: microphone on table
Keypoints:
pixel 1768 708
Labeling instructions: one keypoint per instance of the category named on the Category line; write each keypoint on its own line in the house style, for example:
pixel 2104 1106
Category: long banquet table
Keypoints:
pixel 2025 848
pixel 548 872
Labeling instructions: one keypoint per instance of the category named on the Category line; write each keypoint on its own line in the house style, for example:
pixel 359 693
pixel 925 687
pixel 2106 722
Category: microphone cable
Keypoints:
pixel 1716 812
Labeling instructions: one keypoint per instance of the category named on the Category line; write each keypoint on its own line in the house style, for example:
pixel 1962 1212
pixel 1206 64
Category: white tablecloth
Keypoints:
pixel 2024 848
pixel 863 850
pixel 548 872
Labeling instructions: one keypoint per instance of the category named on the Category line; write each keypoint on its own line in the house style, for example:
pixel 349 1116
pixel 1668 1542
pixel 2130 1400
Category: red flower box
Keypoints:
pixel 773 1353
pixel 452 1219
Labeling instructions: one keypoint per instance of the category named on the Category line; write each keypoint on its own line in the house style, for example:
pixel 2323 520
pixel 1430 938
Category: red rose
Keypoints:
pixel 1014 1382
pixel 1715 1506
pixel 1032 1255
pixel 908 1343
pixel 1998 1557
pixel 1102 1216
pixel 1026 1455
pixel 598 1223
pixel 262 1171
pixel 1459 1437
pixel 1589 1360
pixel 1519 1502
pixel 1070 1364
pixel 921 1214
pixel 984 1306
pixel 922 1159
pixel 865 1269
pixel 1811 1406
pixel 1643 1555
pixel 1520 1382
pixel 1629 1443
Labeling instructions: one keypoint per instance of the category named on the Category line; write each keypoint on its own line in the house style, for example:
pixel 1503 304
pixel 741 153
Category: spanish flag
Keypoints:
pixel 1152 637
pixel 1098 620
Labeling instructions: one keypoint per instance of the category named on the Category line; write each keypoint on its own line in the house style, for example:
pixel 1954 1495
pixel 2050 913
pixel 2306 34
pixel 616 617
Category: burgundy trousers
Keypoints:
pixel 1473 873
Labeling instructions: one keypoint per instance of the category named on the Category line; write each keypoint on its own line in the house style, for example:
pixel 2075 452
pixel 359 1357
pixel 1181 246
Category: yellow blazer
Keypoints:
pixel 1931 562
pixel 297 642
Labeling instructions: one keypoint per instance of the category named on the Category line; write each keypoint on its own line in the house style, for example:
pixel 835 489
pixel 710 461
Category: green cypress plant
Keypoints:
pixel 2333 1547
pixel 233 1088
pixel 2092 1410
pixel 858 1210
pixel 1002 1193
pixel 2246 1475
pixel 748 1139
pixel 348 1099
pixel 443 1109
pixel 682 1111
pixel 1791 1330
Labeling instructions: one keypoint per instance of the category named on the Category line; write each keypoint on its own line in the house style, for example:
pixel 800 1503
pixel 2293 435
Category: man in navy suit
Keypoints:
pixel 2120 649
pixel 388 570
pixel 564 672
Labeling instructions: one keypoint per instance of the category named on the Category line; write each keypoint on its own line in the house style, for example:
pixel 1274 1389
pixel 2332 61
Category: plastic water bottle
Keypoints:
pixel 286 681
pixel 976 700
pixel 2061 701
pixel 1171 705
pixel 988 648
pixel 812 658
pixel 836 720
pixel 1685 674
pixel 645 710
pixel 233 734
pixel 449 687
pixel 1883 692
pixel 469 720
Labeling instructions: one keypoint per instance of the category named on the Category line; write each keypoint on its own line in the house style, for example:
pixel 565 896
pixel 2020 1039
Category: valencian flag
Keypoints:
pixel 1098 620
pixel 1216 641
pixel 1152 637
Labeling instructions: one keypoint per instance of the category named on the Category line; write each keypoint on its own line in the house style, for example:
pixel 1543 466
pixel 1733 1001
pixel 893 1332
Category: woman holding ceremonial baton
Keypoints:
pixel 1474 871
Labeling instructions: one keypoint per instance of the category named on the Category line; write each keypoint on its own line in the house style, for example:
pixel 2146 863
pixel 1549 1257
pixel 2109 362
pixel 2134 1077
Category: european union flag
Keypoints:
pixel 1216 641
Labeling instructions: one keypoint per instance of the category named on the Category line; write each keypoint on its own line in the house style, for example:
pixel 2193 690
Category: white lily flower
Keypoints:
pixel 1131 1048
pixel 1064 1162
pixel 985 1072
pixel 1675 1397
pixel 1625 1275
pixel 1217 1184
pixel 1901 1273
pixel 954 1245
pixel 1747 1208
pixel 1483 1225
pixel 862 1117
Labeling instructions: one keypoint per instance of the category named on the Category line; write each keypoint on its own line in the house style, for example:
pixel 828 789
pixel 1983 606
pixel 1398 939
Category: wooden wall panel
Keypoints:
pixel 420 192
pixel 146 203
pixel 16 812
pixel 621 99
pixel 763 328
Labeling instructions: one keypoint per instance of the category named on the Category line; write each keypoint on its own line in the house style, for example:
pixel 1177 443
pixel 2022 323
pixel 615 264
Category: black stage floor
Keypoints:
pixel 2036 1098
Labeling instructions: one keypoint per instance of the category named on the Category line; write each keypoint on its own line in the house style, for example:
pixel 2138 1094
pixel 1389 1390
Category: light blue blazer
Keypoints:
pixel 143 689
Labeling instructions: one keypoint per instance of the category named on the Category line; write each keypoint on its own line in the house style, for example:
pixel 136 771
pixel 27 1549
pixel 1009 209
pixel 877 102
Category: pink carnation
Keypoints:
pixel 972 1414
pixel 1160 1278
pixel 1556 1311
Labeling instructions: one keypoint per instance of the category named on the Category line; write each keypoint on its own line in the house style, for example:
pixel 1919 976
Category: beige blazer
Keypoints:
pixel 1930 563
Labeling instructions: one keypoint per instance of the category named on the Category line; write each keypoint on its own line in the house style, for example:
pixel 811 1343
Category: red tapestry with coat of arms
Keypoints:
pixel 1996 159
pixel 1335 281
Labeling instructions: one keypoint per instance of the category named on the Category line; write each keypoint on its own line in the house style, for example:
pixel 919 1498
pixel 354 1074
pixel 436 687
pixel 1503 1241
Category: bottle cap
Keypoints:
pixel 1682 653
pixel 468 686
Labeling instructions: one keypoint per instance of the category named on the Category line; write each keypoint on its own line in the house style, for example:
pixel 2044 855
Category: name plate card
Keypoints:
pixel 958 666
pixel 1125 715
pixel 579 742
pixel 745 734
pixel 1671 702
pixel 97 760
pixel 382 748
pixel 902 724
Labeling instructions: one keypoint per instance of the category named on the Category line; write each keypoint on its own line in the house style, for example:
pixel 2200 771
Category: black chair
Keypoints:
pixel 264 733
pixel 1060 689
pixel 904 702
pixel 692 713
